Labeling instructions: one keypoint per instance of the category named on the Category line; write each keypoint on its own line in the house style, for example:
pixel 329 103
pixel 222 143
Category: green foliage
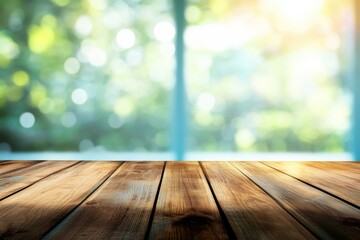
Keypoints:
pixel 98 74
pixel 51 48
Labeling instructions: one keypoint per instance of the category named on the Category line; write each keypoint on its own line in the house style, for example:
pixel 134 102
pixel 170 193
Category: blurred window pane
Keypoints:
pixel 81 75
pixel 263 75
pixel 268 75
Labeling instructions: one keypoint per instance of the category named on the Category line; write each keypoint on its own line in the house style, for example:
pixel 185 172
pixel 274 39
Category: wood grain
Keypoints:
pixel 251 213
pixel 32 212
pixel 326 216
pixel 8 166
pixel 347 189
pixel 119 209
pixel 16 180
pixel 186 208
pixel 98 200
pixel 347 169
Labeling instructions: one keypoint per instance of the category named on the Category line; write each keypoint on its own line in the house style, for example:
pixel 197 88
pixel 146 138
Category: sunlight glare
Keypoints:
pixel 296 13
pixel 125 38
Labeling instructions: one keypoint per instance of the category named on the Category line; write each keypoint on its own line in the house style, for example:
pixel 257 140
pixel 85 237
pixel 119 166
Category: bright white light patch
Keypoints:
pixel 205 102
pixel 79 96
pixel 97 57
pixel 125 38
pixel 27 120
pixel 164 31
pixel 91 53
pixel 72 65
pixel 296 14
pixel 68 119
pixel 83 26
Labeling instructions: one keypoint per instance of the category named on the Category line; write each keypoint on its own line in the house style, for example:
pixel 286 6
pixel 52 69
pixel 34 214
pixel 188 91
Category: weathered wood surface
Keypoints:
pixel 7 166
pixel 250 211
pixel 14 181
pixel 326 216
pixel 346 169
pixel 185 208
pixel 31 213
pixel 179 200
pixel 348 188
pixel 121 207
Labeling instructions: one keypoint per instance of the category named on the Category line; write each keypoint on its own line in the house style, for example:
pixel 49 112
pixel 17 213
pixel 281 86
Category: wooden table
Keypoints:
pixel 179 200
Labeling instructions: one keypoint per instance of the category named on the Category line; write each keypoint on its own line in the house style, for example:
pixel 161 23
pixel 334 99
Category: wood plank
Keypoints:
pixel 354 165
pixel 251 213
pixel 347 169
pixel 31 213
pixel 326 216
pixel 186 208
pixel 119 209
pixel 341 186
pixel 8 166
pixel 16 180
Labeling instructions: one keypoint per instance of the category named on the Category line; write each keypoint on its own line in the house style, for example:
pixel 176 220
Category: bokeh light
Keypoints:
pixel 79 96
pixel 20 78
pixel 68 119
pixel 268 75
pixel 82 76
pixel 263 75
pixel 72 65
pixel 83 26
pixel 27 120
pixel 164 31
pixel 125 38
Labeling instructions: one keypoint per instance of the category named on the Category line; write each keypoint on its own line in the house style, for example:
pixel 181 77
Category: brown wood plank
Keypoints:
pixel 325 215
pixel 347 169
pixel 31 213
pixel 16 180
pixel 353 164
pixel 8 166
pixel 186 208
pixel 251 213
pixel 119 209
pixel 341 186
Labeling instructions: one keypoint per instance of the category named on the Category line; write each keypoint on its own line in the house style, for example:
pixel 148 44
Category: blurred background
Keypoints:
pixel 261 75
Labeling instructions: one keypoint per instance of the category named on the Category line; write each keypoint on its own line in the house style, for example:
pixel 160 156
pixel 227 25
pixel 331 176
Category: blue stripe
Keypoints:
pixel 355 69
pixel 179 116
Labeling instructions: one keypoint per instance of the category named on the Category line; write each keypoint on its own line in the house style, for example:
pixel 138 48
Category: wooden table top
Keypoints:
pixel 179 200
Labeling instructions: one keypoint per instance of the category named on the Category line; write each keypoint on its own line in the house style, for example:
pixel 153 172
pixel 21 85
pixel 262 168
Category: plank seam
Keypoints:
pixel 58 223
pixel 319 168
pixel 328 170
pixel 318 188
pixel 152 215
pixel 13 170
pixel 38 181
pixel 278 202
pixel 230 232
